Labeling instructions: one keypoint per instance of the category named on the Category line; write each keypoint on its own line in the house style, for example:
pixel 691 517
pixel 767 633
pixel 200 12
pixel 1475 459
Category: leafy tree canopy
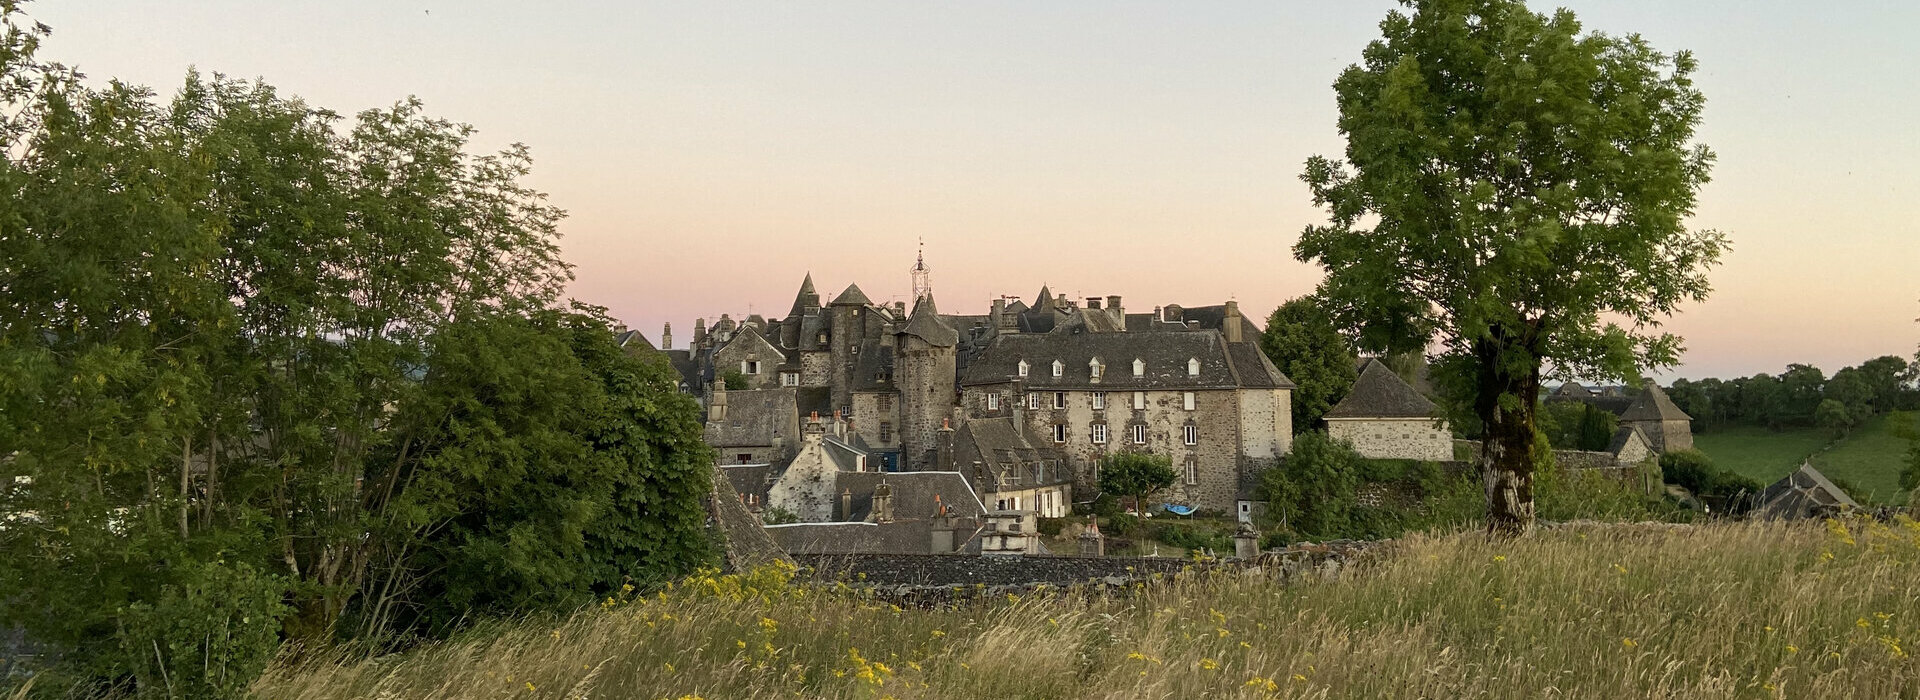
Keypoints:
pixel 1304 343
pixel 1136 475
pixel 1514 192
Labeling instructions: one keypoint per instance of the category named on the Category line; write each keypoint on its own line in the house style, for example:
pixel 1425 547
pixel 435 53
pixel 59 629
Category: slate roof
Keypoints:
pixel 749 478
pixel 1379 393
pixel 1001 445
pixel 806 298
pixel 1804 493
pixel 1652 404
pixel 747 543
pixel 873 369
pixel 927 326
pixel 852 297
pixel 1215 317
pixel 755 418
pixel 632 341
pixel 1572 390
pixel 812 400
pixel 897 537
pixel 684 363
pixel 1166 355
pixel 916 495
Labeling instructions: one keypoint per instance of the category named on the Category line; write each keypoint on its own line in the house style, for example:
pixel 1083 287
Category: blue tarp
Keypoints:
pixel 1178 509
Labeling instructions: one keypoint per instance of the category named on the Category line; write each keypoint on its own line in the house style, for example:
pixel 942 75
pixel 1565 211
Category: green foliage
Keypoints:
pixel 1512 184
pixel 734 380
pixel 1303 342
pixel 1314 494
pixel 1313 490
pixel 1697 472
pixel 1197 537
pixel 269 373
pixel 1572 425
pixel 1136 475
pixel 1051 527
pixel 1832 416
pixel 775 515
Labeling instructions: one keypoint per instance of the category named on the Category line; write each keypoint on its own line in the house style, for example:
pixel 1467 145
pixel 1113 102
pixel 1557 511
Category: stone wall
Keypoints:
pixel 750 347
pixel 966 570
pixel 806 489
pixel 816 368
pixel 925 376
pixel 1424 439
pixel 868 415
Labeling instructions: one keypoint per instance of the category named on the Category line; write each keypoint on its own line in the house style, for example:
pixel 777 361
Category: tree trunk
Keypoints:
pixel 1508 367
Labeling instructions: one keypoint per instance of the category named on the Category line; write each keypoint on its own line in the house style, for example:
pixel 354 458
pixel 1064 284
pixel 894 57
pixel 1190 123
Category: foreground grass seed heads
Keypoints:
pixel 1726 610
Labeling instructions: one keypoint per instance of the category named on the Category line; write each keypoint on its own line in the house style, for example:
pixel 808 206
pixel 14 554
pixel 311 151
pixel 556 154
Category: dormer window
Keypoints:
pixel 1059 369
pixel 1193 367
pixel 1095 369
pixel 1139 367
pixel 1023 368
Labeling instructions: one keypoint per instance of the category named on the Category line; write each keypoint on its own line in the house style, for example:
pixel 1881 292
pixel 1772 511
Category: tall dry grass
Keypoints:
pixel 1730 610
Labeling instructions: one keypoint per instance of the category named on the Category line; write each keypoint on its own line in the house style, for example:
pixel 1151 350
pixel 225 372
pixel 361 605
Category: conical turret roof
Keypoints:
pixel 806 299
pixel 926 324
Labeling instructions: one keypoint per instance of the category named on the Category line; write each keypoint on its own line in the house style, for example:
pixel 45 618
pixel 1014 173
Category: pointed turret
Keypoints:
pixel 1043 300
pixel 927 325
pixel 807 302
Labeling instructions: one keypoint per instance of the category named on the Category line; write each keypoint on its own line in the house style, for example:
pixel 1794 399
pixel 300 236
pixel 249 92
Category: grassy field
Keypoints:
pixel 1745 610
pixel 1870 457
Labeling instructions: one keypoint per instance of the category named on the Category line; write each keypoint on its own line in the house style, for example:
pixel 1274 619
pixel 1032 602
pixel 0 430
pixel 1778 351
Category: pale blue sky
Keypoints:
pixel 1144 149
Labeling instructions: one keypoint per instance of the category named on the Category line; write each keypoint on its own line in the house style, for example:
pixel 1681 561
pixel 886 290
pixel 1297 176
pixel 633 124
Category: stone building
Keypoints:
pixel 1069 382
pixel 1663 424
pixel 1386 418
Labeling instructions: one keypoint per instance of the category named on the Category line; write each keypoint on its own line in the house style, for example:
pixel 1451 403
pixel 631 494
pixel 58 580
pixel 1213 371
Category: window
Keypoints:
pixel 750 366
pixel 1193 367
pixel 1095 369
pixel 1033 401
pixel 1099 433
pixel 1059 399
pixel 1139 400
pixel 993 402
pixel 1187 399
pixel 884 403
pixel 1024 367
pixel 1059 369
pixel 1190 434
pixel 744 457
pixel 823 339
pixel 1099 400
pixel 1139 434
pixel 1139 367
pixel 886 431
pixel 1060 432
pixel 1193 471
pixel 789 379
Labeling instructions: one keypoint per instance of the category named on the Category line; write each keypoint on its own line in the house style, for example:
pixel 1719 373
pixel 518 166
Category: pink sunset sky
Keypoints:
pixel 711 154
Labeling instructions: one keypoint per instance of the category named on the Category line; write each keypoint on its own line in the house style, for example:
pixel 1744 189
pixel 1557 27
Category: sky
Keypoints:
pixel 711 154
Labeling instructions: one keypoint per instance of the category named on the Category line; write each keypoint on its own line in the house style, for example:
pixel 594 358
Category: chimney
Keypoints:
pixel 942 539
pixel 699 332
pixel 943 446
pixel 811 433
pixel 995 311
pixel 1231 325
pixel 882 502
pixel 1092 543
pixel 666 336
pixel 717 406
pixel 1006 322
pixel 1119 312
pixel 846 505
pixel 839 425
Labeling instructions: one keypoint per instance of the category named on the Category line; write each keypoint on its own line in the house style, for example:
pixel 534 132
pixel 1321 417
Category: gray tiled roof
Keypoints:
pixel 684 363
pixel 897 537
pixel 1379 393
pixel 805 298
pixel 926 325
pixel 1653 404
pixel 748 478
pixel 1215 317
pixel 1800 495
pixel 916 495
pixel 1166 355
pixel 632 341
pixel 853 296
pixel 1623 435
pixel 755 418
pixel 1000 445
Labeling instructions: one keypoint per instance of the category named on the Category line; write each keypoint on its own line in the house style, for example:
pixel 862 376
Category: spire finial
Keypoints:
pixel 922 282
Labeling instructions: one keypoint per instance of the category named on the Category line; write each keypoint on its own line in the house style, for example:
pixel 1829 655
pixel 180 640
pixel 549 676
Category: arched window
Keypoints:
pixel 1023 368
pixel 1139 367
pixel 1193 367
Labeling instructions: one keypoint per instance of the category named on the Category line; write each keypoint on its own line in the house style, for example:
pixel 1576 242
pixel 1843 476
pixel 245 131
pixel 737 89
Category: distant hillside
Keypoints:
pixel 1870 457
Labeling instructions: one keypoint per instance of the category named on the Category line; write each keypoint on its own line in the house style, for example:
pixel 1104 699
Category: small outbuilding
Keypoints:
pixel 1386 418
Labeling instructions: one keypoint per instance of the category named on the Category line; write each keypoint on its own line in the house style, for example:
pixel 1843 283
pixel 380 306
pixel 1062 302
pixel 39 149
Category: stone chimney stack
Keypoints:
pixel 1092 543
pixel 1007 321
pixel 811 433
pixel 1231 325
pixel 717 406
pixel 882 502
pixel 942 530
pixel 943 447
pixel 839 425
pixel 699 333
pixel 995 311
pixel 1118 312
pixel 666 336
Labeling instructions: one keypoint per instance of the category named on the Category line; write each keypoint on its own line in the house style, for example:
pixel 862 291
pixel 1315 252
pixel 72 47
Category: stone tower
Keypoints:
pixel 923 369
pixel 1666 426
pixel 666 336
pixel 848 327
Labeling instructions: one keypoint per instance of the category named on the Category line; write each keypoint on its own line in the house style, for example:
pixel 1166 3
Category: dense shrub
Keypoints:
pixel 1696 472
pixel 1051 527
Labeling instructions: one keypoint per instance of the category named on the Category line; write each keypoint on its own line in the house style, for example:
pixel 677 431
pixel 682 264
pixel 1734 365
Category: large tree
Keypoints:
pixel 1514 191
pixel 1304 343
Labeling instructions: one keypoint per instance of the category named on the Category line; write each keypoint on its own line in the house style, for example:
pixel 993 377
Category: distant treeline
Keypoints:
pixel 1801 396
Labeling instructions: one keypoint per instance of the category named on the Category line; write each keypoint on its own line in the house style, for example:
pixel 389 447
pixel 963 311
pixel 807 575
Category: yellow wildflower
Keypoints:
pixel 1499 558
pixel 1627 642
pixel 1791 649
pixel 530 687
pixel 1209 664
pixel 1298 677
